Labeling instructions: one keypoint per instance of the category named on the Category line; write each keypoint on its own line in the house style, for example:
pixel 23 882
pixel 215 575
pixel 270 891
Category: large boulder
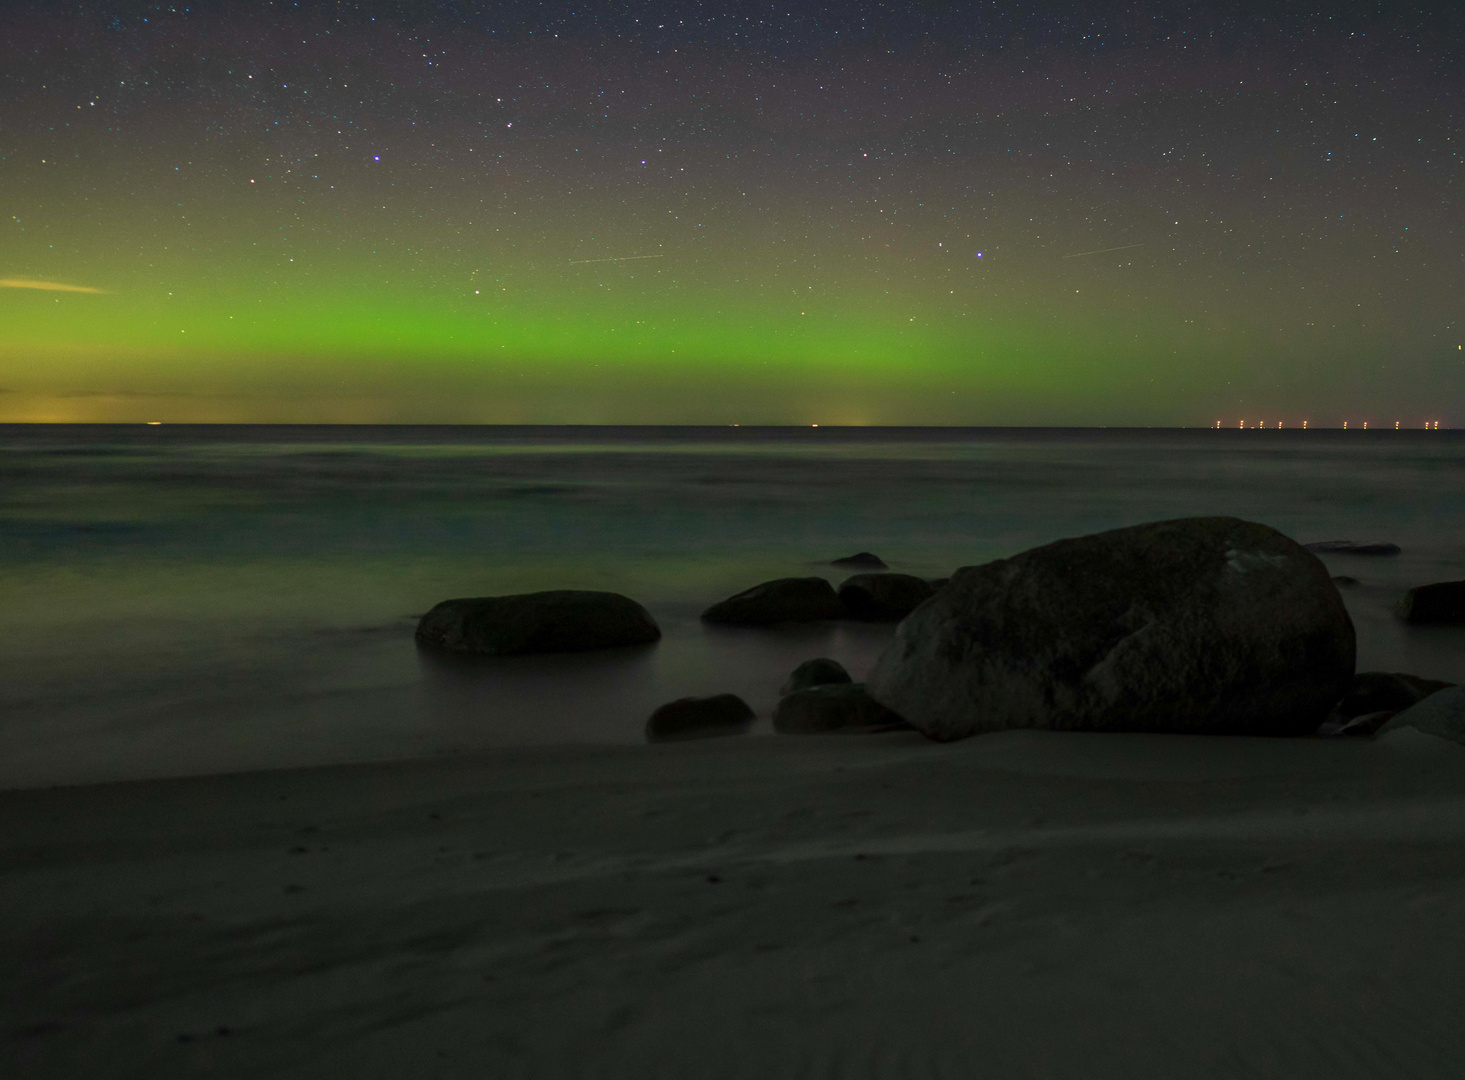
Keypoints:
pixel 821 671
pixel 562 620
pixel 1197 625
pixel 699 718
pixel 807 599
pixel 833 707
pixel 1442 714
pixel 883 597
pixel 1442 603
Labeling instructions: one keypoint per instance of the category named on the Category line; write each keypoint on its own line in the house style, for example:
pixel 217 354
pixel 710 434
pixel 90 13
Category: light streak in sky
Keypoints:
pixel 48 286
pixel 1101 251
pixel 620 258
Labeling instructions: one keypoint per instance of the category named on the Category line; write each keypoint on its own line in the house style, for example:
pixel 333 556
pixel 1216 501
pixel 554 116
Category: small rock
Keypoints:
pixel 1353 547
pixel 1343 581
pixel 883 597
pixel 807 599
pixel 820 672
pixel 1375 691
pixel 699 718
pixel 1363 726
pixel 1367 725
pixel 1440 604
pixel 863 560
pixel 1442 714
pixel 938 583
pixel 836 707
pixel 1201 625
pixel 563 620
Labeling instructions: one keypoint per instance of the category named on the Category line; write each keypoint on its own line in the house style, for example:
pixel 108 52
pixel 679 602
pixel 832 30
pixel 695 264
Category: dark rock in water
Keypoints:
pixel 1203 625
pixel 1343 581
pixel 783 600
pixel 699 718
pixel 883 597
pixel 1374 697
pixel 938 583
pixel 820 672
pixel 1364 726
pixel 563 620
pixel 838 707
pixel 1441 604
pixel 861 561
pixel 1442 714
pixel 1377 691
pixel 1353 547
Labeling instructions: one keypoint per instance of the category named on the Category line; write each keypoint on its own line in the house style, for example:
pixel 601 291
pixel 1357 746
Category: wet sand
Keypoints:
pixel 1017 905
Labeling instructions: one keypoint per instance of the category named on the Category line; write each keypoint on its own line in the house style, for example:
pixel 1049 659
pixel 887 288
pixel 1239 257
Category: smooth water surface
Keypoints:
pixel 182 600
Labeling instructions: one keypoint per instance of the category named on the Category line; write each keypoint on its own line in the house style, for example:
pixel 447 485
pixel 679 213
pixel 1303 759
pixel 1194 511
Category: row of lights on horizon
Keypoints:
pixel 1429 425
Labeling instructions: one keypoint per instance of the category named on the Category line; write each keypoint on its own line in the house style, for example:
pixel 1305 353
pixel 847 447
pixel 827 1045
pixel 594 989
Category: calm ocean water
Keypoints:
pixel 178 600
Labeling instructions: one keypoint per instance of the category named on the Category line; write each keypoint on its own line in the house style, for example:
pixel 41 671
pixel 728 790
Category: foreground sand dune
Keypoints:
pixel 1018 905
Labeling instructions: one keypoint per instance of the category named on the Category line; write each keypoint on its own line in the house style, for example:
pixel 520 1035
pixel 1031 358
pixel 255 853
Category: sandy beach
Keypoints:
pixel 1023 904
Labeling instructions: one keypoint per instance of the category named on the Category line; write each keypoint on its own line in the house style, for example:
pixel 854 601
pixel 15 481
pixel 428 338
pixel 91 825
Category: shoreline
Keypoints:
pixel 1059 904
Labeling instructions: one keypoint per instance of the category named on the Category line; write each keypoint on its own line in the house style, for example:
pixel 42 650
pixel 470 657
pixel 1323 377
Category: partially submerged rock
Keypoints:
pixel 699 718
pixel 883 597
pixel 1353 547
pixel 1202 625
pixel 1385 691
pixel 1343 581
pixel 835 707
pixel 1441 604
pixel 1442 714
pixel 819 672
pixel 1364 726
pixel 562 620
pixel 862 560
pixel 806 599
pixel 1374 698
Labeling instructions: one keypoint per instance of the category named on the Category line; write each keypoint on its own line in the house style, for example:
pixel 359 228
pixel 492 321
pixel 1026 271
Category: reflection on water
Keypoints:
pixel 200 599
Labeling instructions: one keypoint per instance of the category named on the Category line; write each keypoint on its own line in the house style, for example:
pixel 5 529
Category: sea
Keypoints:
pixel 185 600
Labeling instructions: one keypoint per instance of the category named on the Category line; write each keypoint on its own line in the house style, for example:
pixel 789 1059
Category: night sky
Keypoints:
pixel 853 213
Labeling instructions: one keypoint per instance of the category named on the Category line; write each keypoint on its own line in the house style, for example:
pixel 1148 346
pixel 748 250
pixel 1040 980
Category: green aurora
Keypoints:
pixel 736 275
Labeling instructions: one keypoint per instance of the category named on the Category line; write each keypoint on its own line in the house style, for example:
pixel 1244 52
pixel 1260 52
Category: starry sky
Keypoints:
pixel 1065 213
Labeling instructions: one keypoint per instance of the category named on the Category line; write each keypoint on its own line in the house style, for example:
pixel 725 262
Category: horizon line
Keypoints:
pixel 709 426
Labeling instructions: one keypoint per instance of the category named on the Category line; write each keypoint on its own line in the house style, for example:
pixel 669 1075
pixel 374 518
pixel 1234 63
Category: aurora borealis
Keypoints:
pixel 737 213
